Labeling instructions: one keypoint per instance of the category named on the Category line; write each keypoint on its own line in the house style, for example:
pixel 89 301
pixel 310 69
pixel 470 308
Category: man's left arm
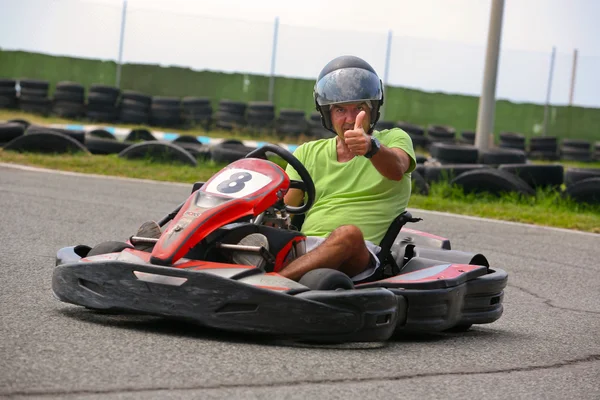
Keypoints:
pixel 391 162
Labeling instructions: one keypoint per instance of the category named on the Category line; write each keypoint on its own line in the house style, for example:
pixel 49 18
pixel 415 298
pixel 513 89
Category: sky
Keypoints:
pixel 436 45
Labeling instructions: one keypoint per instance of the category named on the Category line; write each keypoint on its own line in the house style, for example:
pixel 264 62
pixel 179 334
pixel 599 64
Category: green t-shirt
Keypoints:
pixel 354 192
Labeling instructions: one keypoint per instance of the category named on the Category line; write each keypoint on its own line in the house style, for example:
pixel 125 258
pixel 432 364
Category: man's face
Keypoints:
pixel 343 117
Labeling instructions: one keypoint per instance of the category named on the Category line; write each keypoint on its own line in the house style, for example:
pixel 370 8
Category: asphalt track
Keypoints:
pixel 546 346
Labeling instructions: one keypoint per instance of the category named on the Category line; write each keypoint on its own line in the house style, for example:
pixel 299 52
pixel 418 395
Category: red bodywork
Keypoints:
pixel 244 188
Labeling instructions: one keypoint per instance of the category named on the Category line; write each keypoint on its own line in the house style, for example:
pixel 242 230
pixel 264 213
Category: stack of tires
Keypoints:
pixel 68 100
pixel 8 93
pixel 416 133
pixel 383 125
pixel 165 111
pixel 260 116
pixel 33 96
pixel 596 153
pixel 134 108
pixel 196 112
pixel 231 115
pixel 576 150
pixel 543 148
pixel 315 127
pixel 583 185
pixel 291 122
pixel 512 140
pixel 102 103
pixel 467 137
pixel 441 134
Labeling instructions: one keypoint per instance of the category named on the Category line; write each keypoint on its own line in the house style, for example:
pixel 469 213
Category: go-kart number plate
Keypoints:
pixel 237 183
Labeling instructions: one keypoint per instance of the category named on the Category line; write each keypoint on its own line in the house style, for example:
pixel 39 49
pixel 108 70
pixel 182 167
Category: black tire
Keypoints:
pixel 546 143
pixel 46 142
pixel 411 129
pixel 537 175
pixel 137 97
pixel 447 172
pixel 419 185
pixel 543 155
pixel 229 151
pixel 19 121
pixel 585 191
pixel 99 145
pixel 94 98
pixel 35 84
pixel 74 134
pixel 139 134
pixel 160 152
pixel 492 181
pixel 576 144
pixel 384 125
pixel 326 279
pixel 108 247
pixel 134 117
pixel 573 175
pixel 69 97
pixel 502 156
pixel 575 154
pixel 101 133
pixel 200 151
pixel 111 91
pixel 454 154
pixel 166 101
pixel 192 102
pixel 10 131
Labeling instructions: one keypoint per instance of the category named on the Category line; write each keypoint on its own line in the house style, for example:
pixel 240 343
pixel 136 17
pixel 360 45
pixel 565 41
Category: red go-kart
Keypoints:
pixel 191 269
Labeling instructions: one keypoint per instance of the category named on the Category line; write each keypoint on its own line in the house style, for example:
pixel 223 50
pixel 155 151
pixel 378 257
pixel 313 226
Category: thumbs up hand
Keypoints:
pixel 357 140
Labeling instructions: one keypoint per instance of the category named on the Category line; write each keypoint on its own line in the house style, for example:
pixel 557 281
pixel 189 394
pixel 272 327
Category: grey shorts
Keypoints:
pixel 313 242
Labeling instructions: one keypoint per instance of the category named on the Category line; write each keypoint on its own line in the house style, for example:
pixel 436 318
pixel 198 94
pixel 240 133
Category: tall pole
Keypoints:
pixel 487 101
pixel 386 71
pixel 119 63
pixel 573 75
pixel 273 58
pixel 548 91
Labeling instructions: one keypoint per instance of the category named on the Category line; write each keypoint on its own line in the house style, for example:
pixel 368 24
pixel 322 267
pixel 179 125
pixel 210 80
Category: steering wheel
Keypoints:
pixel 306 184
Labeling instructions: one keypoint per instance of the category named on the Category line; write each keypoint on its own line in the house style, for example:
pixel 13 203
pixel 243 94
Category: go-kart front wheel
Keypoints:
pixel 326 279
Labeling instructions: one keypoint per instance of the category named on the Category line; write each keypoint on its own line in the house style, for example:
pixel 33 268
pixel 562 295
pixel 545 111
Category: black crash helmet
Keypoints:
pixel 347 79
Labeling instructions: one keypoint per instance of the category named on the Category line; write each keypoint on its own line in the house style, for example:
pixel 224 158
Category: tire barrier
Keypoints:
pixel 291 122
pixel 537 176
pixel 419 185
pixel 68 100
pixel 231 115
pixel 134 107
pixel 102 103
pixel 101 133
pixel 315 127
pixel 196 112
pixel 574 175
pixel 492 181
pixel 512 140
pixel 8 93
pixel 437 173
pixel 260 117
pixel 33 96
pixel 102 145
pixel 447 153
pixel 498 156
pixel 441 133
pixel 585 191
pixel 229 151
pixel 194 147
pixel 46 142
pixel 78 135
pixel 159 152
pixel 10 131
pixel 576 150
pixel 139 134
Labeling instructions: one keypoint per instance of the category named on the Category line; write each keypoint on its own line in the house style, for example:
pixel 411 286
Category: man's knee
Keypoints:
pixel 351 235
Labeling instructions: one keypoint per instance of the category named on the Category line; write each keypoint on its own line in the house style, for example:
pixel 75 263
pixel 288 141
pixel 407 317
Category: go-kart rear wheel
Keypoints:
pixel 326 279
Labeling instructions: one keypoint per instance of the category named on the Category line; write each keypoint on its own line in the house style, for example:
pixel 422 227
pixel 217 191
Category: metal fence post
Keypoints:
pixel 548 91
pixel 573 75
pixel 386 71
pixel 487 101
pixel 120 61
pixel 273 58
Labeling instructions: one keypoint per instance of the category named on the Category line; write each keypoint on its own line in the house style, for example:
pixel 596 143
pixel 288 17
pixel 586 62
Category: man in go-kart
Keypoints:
pixel 362 177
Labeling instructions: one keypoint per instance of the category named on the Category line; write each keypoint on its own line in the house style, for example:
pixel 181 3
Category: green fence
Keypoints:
pixel 401 104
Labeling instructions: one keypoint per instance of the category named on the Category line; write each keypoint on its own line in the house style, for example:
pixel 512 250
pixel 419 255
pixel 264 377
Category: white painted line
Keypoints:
pixel 416 212
pixel 81 174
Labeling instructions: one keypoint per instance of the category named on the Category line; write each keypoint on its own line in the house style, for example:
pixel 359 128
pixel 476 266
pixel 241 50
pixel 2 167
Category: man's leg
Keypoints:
pixel 344 250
